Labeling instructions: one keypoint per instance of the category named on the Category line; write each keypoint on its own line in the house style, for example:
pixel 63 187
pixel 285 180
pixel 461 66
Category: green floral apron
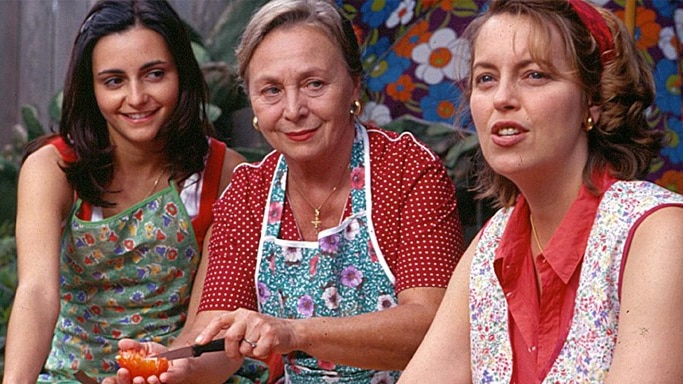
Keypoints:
pixel 342 274
pixel 126 276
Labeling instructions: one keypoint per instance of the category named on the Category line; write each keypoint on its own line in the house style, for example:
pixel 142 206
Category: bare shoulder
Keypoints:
pixel 232 159
pixel 655 257
pixel 46 163
pixel 43 187
pixel 661 229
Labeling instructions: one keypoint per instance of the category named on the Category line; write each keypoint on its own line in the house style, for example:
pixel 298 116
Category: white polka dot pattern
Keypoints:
pixel 414 212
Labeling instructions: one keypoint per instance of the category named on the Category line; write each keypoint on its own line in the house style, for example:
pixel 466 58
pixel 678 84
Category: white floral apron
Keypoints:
pixel 586 354
pixel 342 274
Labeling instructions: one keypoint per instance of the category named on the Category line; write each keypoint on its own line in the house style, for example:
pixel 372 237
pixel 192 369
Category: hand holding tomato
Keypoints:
pixel 135 361
pixel 138 364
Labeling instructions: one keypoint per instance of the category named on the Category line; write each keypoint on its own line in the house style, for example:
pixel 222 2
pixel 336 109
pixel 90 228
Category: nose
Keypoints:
pixel 295 105
pixel 137 94
pixel 506 95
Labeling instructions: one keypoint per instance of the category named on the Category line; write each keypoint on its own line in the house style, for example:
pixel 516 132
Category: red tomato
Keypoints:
pixel 140 365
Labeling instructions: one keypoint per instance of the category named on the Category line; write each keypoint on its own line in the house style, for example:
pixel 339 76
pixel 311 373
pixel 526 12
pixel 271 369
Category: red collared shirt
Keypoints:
pixel 539 325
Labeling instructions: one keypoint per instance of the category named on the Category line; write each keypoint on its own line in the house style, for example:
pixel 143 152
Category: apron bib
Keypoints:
pixel 128 275
pixel 342 274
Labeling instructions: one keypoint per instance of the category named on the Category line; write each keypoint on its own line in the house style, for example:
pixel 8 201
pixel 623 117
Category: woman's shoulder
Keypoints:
pixel 641 192
pixel 404 144
pixel 255 175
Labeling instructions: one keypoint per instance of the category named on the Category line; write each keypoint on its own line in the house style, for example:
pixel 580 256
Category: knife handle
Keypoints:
pixel 212 346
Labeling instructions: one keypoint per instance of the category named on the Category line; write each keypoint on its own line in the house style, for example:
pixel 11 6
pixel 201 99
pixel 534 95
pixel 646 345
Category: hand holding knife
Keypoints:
pixel 193 350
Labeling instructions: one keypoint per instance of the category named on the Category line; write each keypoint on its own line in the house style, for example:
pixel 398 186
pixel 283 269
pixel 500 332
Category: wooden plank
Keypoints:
pixel 9 30
pixel 70 15
pixel 35 61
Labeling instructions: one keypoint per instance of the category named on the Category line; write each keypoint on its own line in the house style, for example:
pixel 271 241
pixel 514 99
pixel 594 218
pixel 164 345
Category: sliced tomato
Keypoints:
pixel 140 365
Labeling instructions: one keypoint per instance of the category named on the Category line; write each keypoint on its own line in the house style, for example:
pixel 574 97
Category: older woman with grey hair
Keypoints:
pixel 335 250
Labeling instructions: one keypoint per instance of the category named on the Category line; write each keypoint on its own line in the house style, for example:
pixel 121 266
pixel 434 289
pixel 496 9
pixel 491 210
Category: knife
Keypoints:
pixel 193 350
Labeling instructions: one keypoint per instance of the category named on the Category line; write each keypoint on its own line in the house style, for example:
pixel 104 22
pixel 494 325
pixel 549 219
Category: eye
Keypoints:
pixel 156 74
pixel 314 87
pixel 271 94
pixel 112 82
pixel 537 75
pixel 271 91
pixel 483 80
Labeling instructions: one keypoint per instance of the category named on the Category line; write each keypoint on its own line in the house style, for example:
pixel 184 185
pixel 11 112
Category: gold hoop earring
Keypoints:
pixel 356 109
pixel 589 124
pixel 254 122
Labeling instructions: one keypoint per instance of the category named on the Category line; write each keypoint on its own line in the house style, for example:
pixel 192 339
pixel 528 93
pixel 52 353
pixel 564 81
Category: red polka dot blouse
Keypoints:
pixel 414 211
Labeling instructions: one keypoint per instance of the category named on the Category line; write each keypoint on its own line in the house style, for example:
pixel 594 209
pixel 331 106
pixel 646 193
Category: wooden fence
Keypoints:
pixel 35 44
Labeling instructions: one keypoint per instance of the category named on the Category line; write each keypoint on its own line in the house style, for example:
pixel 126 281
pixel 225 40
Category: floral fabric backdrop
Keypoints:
pixel 413 55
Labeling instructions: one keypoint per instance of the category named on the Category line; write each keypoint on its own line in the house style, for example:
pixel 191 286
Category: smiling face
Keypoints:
pixel 301 92
pixel 136 85
pixel 528 116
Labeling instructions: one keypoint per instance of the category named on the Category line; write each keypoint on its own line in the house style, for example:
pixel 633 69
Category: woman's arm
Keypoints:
pixel 444 355
pixel 44 199
pixel 650 342
pixel 379 340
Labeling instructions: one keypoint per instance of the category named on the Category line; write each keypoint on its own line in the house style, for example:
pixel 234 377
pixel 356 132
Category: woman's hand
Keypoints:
pixel 129 346
pixel 249 333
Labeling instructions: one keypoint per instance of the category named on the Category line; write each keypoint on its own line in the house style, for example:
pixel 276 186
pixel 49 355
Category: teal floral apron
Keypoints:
pixel 129 275
pixel 342 274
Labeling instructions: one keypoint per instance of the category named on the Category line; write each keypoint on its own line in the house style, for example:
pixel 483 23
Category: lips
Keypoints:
pixel 301 135
pixel 507 128
pixel 139 117
pixel 507 133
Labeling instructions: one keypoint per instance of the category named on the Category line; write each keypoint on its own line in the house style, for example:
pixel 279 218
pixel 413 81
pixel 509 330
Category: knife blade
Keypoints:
pixel 193 350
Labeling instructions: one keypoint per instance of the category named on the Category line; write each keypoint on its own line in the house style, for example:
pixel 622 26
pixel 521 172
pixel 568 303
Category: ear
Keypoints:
pixel 595 111
pixel 356 88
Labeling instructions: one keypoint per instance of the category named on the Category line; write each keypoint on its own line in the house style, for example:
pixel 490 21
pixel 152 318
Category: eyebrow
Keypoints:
pixel 144 67
pixel 488 65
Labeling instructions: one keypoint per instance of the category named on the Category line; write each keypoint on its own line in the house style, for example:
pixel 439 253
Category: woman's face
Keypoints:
pixel 136 84
pixel 301 92
pixel 529 120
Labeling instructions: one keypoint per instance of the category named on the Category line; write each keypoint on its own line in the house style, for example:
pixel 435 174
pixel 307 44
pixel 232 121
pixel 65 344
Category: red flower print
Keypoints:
pixel 89 239
pixel 418 34
pixel 402 89
pixel 274 212
pixel 358 178
pixel 129 244
pixel 314 265
pixel 172 209
pixel 647 28
pixel 160 235
pixel 672 180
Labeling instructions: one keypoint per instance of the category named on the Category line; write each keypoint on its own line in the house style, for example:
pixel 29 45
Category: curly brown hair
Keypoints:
pixel 622 140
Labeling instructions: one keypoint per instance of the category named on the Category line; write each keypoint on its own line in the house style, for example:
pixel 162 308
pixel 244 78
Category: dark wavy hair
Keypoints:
pixel 83 126
pixel 621 140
